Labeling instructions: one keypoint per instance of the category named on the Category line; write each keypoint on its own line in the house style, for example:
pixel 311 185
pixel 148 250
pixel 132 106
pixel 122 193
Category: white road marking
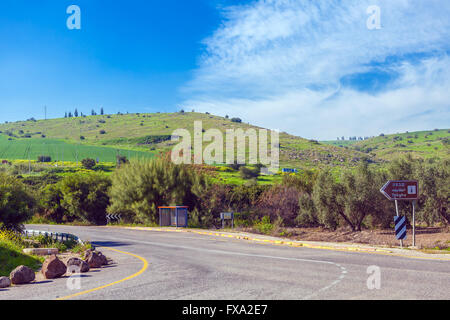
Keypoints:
pixel 337 281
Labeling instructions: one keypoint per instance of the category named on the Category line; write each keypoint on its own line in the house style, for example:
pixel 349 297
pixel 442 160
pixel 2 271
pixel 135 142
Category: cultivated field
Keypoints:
pixel 23 148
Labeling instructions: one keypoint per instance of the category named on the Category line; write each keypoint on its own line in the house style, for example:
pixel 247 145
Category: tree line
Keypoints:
pixel 76 114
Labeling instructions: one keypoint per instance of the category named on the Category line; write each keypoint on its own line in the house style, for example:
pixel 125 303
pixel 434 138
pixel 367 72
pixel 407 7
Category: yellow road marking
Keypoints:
pixel 113 283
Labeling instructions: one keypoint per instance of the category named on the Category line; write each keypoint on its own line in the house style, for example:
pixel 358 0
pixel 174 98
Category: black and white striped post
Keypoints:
pixel 400 228
pixel 397 226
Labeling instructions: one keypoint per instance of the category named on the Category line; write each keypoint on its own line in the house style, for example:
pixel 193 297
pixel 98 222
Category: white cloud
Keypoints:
pixel 278 64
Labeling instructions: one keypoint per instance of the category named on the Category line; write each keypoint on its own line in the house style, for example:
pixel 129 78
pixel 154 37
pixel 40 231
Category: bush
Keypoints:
pixel 247 173
pixel 307 215
pixel 434 185
pixel 82 197
pixel 264 226
pixel 121 160
pixel 361 195
pixel 280 202
pixel 16 203
pixel 44 159
pixel 303 181
pixel 327 196
pixel 138 188
pixel 237 120
pixel 352 199
pixel 36 182
pixel 245 198
pixel 214 200
pixel 235 166
pixel 88 163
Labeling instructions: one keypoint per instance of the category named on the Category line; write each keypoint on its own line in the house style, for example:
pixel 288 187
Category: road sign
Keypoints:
pixel 113 217
pixel 400 227
pixel 227 216
pixel 401 190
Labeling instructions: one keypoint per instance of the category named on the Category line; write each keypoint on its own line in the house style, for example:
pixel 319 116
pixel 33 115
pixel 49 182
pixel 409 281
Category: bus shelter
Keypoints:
pixel 173 216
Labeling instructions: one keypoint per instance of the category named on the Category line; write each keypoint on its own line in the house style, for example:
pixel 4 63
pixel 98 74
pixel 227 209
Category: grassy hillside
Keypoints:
pixel 424 144
pixel 144 135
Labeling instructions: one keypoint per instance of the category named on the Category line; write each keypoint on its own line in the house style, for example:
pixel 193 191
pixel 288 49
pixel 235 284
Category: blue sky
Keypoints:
pixel 311 68
pixel 128 56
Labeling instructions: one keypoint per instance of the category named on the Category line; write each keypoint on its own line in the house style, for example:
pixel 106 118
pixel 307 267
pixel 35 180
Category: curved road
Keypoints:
pixel 185 266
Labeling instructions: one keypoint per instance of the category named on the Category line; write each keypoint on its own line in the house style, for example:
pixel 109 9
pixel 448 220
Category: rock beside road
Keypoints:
pixel 4 282
pixel 22 275
pixel 76 265
pixel 95 259
pixel 53 268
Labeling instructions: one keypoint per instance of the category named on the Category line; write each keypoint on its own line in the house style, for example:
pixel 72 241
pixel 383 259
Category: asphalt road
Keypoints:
pixel 168 265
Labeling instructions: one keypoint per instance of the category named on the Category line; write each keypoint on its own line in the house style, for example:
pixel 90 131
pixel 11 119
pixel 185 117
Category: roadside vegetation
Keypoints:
pixel 11 256
pixel 310 198
pixel 12 244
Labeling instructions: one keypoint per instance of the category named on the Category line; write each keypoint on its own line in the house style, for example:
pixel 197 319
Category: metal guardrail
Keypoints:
pixel 57 236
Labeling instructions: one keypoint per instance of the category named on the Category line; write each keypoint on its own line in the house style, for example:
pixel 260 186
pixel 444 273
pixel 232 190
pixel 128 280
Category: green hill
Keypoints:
pixel 144 135
pixel 423 144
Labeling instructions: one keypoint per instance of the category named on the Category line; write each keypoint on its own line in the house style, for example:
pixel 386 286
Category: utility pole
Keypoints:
pixel 45 111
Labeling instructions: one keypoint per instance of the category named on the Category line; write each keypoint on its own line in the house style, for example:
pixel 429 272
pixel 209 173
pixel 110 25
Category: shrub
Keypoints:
pixel 88 163
pixel 36 182
pixel 235 166
pixel 327 194
pixel 102 132
pixel 16 203
pixel 303 181
pixel 247 173
pixel 245 198
pixel 361 195
pixel 307 214
pixel 280 202
pixel 352 200
pixel 237 120
pixel 214 200
pixel 44 159
pixel 82 197
pixel 121 160
pixel 434 185
pixel 264 226
pixel 52 208
pixel 139 187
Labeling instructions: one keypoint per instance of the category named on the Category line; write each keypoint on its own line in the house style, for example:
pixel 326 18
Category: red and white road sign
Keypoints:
pixel 401 190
